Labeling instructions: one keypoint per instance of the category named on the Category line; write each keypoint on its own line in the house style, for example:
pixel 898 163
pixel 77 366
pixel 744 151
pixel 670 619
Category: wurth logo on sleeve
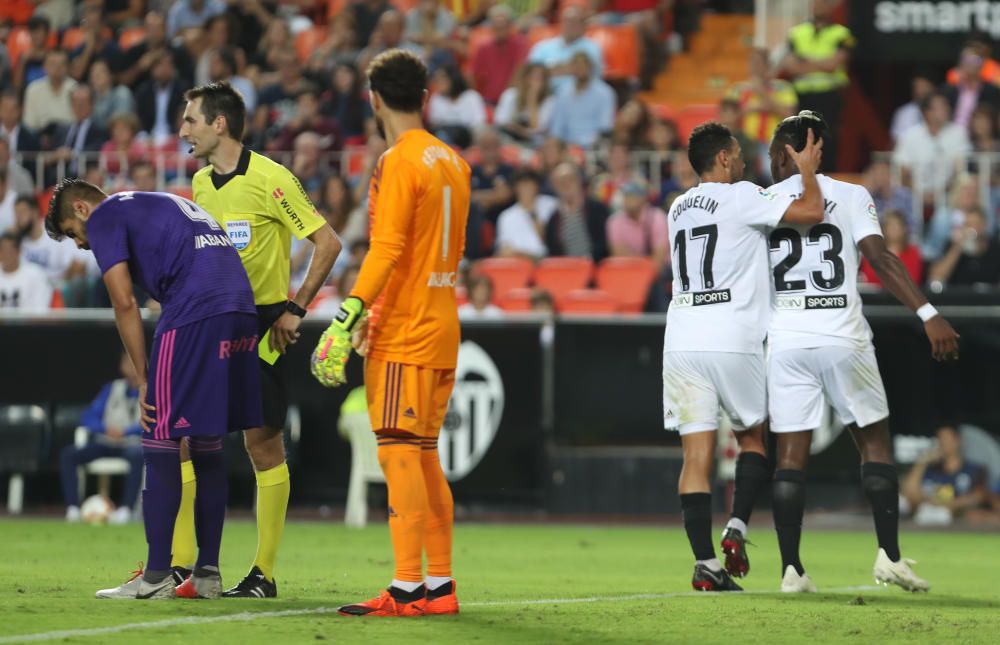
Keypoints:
pixel 278 193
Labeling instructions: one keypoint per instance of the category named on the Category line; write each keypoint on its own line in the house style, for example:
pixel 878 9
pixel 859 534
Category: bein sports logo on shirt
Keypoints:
pixel 766 194
pixel 239 233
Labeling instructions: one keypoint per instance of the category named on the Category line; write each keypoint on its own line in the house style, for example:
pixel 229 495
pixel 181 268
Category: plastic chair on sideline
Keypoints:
pixel 104 468
pixel 24 429
pixel 356 427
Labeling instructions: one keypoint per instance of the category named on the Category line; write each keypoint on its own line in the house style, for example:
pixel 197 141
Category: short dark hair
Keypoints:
pixel 925 103
pixel 30 200
pixel 527 174
pixel 38 22
pixel 56 52
pixel 221 99
pixel 707 140
pixel 59 206
pixel 400 78
pixel 13 237
pixel 794 130
pixel 729 103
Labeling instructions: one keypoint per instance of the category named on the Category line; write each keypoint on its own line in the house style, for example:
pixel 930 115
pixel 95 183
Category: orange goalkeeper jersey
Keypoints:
pixel 418 203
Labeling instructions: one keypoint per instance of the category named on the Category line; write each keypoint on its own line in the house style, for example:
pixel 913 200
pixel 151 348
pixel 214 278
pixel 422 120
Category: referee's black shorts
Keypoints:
pixel 274 391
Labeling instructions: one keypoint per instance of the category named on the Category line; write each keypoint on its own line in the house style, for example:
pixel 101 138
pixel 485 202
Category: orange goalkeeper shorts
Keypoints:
pixel 407 399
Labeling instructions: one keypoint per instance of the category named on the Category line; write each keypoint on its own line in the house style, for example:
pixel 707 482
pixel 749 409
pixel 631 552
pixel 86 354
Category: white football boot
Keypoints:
pixel 792 582
pixel 898 573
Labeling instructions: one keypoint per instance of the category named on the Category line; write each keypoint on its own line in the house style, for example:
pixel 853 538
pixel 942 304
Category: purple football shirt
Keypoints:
pixel 175 251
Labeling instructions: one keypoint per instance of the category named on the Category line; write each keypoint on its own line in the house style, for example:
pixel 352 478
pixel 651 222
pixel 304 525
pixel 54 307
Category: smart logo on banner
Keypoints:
pixel 474 412
pixel 927 31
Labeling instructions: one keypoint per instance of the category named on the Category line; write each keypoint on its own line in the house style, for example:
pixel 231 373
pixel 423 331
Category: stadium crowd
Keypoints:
pixel 569 160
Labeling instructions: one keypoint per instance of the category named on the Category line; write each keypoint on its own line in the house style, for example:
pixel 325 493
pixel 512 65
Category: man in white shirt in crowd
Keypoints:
pixel 584 109
pixel 61 261
pixel 556 53
pixel 7 199
pixel 23 286
pixel 46 101
pixel 521 228
pixel 932 151
pixel 18 178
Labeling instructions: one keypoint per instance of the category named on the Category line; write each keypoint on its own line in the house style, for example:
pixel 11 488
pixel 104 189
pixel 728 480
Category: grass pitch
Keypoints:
pixel 517 584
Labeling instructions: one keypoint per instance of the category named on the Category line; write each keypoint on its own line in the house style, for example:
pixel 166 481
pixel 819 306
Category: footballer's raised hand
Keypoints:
pixel 809 159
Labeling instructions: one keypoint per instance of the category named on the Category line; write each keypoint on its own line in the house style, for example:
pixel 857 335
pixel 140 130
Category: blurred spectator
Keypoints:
pixel 551 153
pixel 578 228
pixel 647 17
pixel 8 197
pixel 23 286
pixel 756 158
pixel 139 59
pixel 81 135
pixel 762 101
pixel 983 129
pixel 521 228
pixel 142 176
pixel 491 177
pixel 480 305
pixel 585 109
pixel 112 420
pixel 942 485
pixel 455 110
pixel 639 229
pixel 896 231
pixel 495 62
pixel 908 114
pixel 665 140
pixel 525 109
pixel 109 99
pixel 124 13
pixel 542 302
pixel 885 194
pixel 46 101
pixel 61 260
pixel 970 91
pixel 59 12
pixel 191 13
pixel 306 117
pixel 306 163
pixel 222 66
pixel 605 186
pixel 124 148
pixel 683 179
pixel 980 44
pixel 160 100
pixel 21 139
pixel 98 43
pixel 557 53
pixel 338 206
pixel 343 101
pixel 949 218
pixel 31 65
pixel 367 16
pixel 632 124
pixel 248 20
pixel 818 53
pixel 341 45
pixel 204 42
pixel 18 178
pixel 932 151
pixel 973 257
pixel 429 25
pixel 388 34
pixel 276 103
pixel 266 57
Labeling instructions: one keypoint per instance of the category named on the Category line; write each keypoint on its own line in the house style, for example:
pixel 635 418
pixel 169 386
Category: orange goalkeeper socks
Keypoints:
pixel 408 510
pixel 440 518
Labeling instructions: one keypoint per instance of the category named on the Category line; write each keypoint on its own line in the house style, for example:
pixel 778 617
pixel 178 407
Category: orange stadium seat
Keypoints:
pixel 587 301
pixel 131 37
pixel 18 42
pixel 334 7
pixel 308 40
pixel 694 115
pixel 505 273
pixel 57 300
pixel 620 46
pixel 515 300
pixel 461 296
pixel 627 280
pixel 542 32
pixel 181 191
pixel 404 5
pixel 561 275
pixel 72 38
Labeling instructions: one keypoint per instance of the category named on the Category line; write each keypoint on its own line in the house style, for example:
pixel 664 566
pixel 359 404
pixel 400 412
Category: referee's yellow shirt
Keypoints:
pixel 261 205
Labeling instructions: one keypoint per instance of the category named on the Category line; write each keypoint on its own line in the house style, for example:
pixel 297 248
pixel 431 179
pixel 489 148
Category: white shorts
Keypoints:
pixel 802 381
pixel 696 385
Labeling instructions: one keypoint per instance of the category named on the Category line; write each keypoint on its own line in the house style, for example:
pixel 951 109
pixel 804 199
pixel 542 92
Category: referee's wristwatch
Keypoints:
pixel 294 309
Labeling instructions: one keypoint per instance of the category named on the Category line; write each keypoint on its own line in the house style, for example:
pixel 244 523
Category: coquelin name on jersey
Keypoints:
pixel 703 202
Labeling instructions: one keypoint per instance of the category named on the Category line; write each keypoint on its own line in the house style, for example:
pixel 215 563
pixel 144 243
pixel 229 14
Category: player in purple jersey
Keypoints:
pixel 204 380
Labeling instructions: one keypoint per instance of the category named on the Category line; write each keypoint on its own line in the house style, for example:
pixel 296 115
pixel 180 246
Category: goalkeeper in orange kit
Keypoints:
pixel 418 206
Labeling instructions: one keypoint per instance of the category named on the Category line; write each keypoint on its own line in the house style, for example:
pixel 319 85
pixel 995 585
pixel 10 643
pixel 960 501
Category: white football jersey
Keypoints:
pixel 721 298
pixel 814 269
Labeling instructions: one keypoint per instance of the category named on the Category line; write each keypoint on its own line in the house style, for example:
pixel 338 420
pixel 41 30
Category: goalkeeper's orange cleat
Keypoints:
pixel 442 601
pixel 186 589
pixel 391 602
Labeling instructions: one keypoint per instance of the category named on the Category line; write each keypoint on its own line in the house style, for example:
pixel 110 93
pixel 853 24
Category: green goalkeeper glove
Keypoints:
pixel 329 359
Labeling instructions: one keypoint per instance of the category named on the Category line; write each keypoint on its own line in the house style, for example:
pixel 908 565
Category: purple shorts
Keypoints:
pixel 204 378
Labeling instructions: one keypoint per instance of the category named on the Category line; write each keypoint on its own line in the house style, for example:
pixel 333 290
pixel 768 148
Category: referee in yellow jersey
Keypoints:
pixel 261 205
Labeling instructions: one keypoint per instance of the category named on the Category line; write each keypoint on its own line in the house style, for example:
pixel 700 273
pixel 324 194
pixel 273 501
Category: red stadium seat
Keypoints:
pixel 181 191
pixel 587 301
pixel 620 46
pixel 515 300
pixel 18 42
pixel 478 36
pixel 461 296
pixel 542 32
pixel 627 280
pixel 505 273
pixel 694 115
pixel 403 6
pixel 57 300
pixel 559 276
pixel 131 37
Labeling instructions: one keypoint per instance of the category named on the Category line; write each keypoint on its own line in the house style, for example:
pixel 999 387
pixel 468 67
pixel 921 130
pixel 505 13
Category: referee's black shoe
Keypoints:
pixel 704 579
pixel 255 585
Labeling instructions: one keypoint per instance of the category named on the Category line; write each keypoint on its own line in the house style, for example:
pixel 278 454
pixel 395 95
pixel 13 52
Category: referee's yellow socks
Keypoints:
pixel 273 487
pixel 183 547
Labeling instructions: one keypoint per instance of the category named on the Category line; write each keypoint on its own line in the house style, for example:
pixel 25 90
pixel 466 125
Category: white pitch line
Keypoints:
pixel 255 615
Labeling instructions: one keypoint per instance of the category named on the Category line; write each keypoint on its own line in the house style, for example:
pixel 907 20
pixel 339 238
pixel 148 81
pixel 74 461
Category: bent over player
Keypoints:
pixel 204 380
pixel 821 351
pixel 418 204
pixel 714 343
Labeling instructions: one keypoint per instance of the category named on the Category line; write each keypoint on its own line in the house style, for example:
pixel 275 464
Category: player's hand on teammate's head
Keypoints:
pixel 146 420
pixel 943 338
pixel 809 158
